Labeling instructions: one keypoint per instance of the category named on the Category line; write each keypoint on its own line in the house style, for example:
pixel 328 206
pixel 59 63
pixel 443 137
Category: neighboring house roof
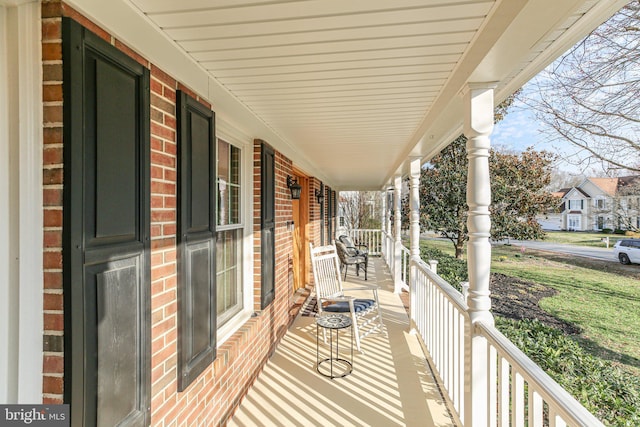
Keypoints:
pixel 560 193
pixel 578 190
pixel 608 185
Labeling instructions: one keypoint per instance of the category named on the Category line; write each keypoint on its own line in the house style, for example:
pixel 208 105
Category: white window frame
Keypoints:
pixel 574 218
pixel 578 202
pixel 232 135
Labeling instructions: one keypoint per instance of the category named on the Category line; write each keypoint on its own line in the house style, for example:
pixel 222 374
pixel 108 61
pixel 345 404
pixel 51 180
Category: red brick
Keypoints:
pixel 163 216
pixel 51 9
pixel 52 135
pixel 170 202
pixel 170 175
pixel 53 322
pixel 162 132
pixel 156 86
pixel 169 93
pixel 53 302
pixel 163 159
pixel 53 364
pixel 52 385
pixel 51 51
pixel 163 271
pixel 52 114
pixel 52 260
pixel 52 239
pixel 51 29
pixel 52 196
pixel 162 188
pixel 52 92
pixel 52 176
pixel 52 401
pixel 52 218
pixel 162 76
pixel 169 229
pixel 52 156
pixel 52 280
pixel 131 53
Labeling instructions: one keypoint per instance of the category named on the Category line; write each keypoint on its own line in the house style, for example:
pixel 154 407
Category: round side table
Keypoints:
pixel 333 322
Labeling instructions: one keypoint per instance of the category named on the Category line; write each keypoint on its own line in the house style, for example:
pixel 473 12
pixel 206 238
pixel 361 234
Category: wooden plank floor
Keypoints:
pixel 391 383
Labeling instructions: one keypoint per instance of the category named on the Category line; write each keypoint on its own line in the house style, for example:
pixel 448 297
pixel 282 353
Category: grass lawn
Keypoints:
pixel 606 306
pixel 582 238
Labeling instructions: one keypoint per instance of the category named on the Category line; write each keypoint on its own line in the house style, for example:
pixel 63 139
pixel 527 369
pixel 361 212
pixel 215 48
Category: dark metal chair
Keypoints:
pixel 353 249
pixel 360 261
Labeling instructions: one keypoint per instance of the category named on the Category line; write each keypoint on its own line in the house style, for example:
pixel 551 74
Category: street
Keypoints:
pixel 583 251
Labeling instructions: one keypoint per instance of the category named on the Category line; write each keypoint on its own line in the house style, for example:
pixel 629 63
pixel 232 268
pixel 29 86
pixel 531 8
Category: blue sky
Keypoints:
pixel 519 129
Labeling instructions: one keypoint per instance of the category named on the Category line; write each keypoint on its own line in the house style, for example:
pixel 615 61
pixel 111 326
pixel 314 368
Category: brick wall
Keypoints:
pixel 53 321
pixel 212 398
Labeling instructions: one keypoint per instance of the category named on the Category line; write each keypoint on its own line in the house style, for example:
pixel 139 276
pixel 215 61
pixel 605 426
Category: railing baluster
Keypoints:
pixel 492 390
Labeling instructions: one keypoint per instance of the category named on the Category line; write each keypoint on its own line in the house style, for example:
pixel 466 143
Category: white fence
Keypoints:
pixel 439 315
pixel 371 238
pixel 518 392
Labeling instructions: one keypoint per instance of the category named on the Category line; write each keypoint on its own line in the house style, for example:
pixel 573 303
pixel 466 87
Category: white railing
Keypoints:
pixel 371 238
pixel 405 258
pixel 388 250
pixel 518 391
pixel 439 316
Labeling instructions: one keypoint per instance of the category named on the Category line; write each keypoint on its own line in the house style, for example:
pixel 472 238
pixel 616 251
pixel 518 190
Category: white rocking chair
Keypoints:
pixel 365 313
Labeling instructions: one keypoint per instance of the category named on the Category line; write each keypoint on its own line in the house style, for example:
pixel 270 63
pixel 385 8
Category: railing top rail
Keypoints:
pixel 452 293
pixel 566 405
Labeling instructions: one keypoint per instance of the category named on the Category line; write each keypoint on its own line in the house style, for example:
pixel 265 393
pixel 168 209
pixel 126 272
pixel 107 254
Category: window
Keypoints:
pixel 574 222
pixel 228 184
pixel 575 204
pixel 599 203
pixel 230 230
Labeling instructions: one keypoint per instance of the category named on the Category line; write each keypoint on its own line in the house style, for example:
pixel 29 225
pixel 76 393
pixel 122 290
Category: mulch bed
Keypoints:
pixel 519 299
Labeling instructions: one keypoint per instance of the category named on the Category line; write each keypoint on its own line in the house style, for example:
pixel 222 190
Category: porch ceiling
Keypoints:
pixel 348 89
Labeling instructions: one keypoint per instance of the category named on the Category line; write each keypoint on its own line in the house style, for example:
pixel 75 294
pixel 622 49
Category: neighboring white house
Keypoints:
pixel 552 219
pixel 597 204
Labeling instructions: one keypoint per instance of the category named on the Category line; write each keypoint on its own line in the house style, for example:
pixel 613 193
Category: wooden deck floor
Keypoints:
pixel 391 383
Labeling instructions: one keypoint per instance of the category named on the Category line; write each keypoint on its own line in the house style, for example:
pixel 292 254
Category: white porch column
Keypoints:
pixel 478 125
pixel 383 221
pixel 414 204
pixel 397 218
pixel 414 229
pixel 21 248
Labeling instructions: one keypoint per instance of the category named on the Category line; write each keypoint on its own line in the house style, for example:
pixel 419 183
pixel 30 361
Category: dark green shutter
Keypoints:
pixel 196 239
pixel 106 246
pixel 267 225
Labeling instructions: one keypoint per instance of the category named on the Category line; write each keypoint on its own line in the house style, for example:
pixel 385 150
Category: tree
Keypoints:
pixel 518 193
pixel 518 183
pixel 591 95
pixel 624 211
pixel 360 209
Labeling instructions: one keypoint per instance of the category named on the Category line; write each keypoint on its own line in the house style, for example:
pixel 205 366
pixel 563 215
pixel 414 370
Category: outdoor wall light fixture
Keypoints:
pixel 295 188
pixel 319 196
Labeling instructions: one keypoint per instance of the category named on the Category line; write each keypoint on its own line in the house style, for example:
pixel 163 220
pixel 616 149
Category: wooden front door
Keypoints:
pixel 106 235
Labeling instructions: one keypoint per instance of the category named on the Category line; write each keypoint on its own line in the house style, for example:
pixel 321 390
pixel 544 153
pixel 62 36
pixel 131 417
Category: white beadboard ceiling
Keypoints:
pixel 351 88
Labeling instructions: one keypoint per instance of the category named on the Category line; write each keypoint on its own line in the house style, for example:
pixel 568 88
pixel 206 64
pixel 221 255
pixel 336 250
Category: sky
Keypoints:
pixel 519 130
